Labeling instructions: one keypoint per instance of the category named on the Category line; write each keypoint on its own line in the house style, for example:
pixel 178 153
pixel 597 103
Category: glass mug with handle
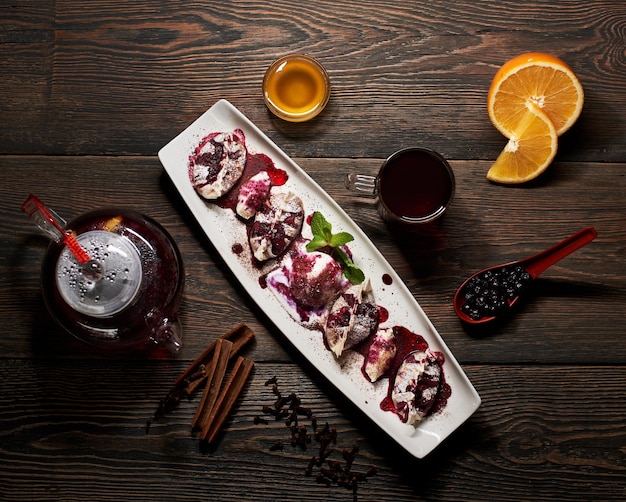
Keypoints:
pixel 413 186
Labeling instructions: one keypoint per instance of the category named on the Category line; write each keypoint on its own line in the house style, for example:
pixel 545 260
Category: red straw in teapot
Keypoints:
pixel 53 225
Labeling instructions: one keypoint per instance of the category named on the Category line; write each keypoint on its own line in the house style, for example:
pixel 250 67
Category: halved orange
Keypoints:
pixel 536 78
pixel 530 149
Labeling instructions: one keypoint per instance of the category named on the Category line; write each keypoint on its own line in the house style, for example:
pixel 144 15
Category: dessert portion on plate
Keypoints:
pixel 351 318
pixel 276 225
pixel 312 273
pixel 217 164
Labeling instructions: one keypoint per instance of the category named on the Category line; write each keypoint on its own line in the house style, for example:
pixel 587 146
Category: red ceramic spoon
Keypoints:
pixel 534 265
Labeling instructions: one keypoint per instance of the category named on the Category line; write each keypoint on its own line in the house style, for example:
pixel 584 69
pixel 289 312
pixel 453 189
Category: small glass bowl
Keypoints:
pixel 296 88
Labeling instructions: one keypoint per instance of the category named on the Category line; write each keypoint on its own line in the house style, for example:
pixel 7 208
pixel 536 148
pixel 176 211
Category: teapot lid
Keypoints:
pixel 107 283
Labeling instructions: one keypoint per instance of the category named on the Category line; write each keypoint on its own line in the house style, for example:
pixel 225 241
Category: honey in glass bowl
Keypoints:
pixel 296 88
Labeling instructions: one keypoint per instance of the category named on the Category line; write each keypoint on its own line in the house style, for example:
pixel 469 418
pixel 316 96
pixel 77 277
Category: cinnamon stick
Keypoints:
pixel 239 338
pixel 240 334
pixel 227 398
pixel 193 376
pixel 215 372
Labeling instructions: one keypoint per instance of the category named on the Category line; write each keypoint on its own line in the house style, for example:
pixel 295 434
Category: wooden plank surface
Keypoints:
pixel 91 91
pixel 111 77
pixel 76 431
pixel 578 298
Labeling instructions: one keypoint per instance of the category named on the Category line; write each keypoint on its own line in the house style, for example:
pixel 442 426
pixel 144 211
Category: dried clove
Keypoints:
pixel 309 468
pixel 292 419
pixel 301 410
pixel 349 456
pixel 323 480
pixel 372 471
pixel 200 373
pixel 170 402
pixel 277 446
pixel 294 399
pixel 269 410
pixel 330 471
pixel 280 402
pixel 259 420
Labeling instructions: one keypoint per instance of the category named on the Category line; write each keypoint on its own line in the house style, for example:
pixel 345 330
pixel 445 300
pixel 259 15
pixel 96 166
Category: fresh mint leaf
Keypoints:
pixel 340 239
pixel 323 237
pixel 322 232
pixel 319 226
pixel 316 243
pixel 353 273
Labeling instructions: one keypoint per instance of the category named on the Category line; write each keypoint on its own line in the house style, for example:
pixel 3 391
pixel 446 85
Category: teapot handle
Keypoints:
pixel 166 332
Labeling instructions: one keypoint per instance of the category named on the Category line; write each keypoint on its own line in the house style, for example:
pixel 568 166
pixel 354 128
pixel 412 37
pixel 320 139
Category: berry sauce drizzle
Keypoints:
pixel 408 342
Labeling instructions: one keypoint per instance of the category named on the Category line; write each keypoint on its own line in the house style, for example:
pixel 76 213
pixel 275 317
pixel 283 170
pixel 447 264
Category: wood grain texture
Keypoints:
pixel 124 78
pixel 581 297
pixel 91 91
pixel 76 430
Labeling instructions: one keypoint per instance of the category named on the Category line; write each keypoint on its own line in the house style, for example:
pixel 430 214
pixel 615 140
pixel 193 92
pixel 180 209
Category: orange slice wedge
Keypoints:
pixel 537 78
pixel 530 149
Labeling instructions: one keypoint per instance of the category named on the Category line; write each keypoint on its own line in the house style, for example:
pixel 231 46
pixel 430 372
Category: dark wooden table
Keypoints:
pixel 90 91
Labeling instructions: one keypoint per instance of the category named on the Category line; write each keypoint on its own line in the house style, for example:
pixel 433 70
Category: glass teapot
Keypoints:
pixel 112 277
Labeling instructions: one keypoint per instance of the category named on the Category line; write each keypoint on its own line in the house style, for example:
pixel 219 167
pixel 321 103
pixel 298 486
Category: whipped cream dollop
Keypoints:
pixel 306 283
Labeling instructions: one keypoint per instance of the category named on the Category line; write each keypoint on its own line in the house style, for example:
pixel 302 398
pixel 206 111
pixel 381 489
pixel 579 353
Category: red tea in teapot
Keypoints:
pixel 128 293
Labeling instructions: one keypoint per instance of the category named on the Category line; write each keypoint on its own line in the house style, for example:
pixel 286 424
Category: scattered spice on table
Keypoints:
pixel 303 428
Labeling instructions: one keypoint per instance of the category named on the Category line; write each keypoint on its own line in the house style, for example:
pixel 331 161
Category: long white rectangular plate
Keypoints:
pixel 225 231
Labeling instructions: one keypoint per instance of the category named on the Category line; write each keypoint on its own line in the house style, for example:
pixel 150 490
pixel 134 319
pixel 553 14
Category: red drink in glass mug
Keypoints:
pixel 414 186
